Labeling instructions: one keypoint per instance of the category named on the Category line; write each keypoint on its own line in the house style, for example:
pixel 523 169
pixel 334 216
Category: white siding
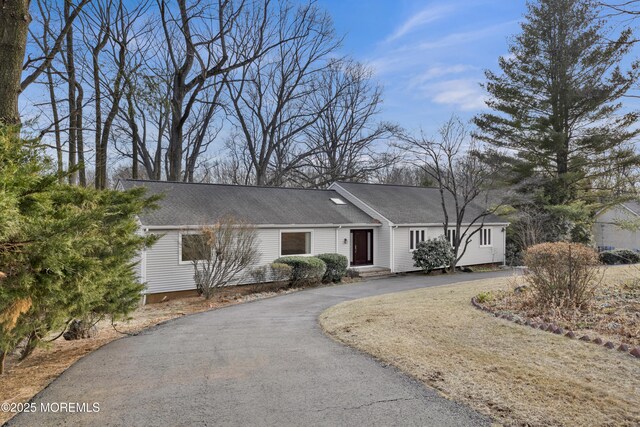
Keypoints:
pixel 382 246
pixel 342 247
pixel 164 272
pixel 474 255
pixel 607 233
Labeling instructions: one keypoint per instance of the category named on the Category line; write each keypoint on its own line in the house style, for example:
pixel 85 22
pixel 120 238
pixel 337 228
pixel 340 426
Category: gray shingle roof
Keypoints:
pixel 633 206
pixel 199 204
pixel 403 204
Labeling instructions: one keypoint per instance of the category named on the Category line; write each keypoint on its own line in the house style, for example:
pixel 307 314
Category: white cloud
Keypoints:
pixel 436 71
pixel 413 55
pixel 455 39
pixel 425 16
pixel 465 94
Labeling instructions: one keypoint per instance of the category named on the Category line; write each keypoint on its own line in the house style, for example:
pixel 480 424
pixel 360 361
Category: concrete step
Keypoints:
pixel 369 272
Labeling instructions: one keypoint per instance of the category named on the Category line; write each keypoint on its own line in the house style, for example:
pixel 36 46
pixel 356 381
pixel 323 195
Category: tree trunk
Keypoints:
pixel 98 181
pixel 134 161
pixel 71 77
pixel 175 142
pixel 14 24
pixel 56 125
pixel 82 175
pixel 32 342
pixel 3 357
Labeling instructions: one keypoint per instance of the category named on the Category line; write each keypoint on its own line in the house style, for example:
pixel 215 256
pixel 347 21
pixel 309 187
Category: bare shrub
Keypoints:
pixel 220 253
pixel 260 274
pixel 275 272
pixel 562 274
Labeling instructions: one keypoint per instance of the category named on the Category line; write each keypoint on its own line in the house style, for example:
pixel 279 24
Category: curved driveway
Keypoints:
pixel 265 363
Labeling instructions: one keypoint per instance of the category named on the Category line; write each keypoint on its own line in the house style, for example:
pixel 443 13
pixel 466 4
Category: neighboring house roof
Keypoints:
pixel 402 204
pixel 194 204
pixel 633 206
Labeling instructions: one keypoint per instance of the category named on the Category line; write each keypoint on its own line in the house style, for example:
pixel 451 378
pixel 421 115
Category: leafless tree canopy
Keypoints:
pixel 241 91
pixel 452 163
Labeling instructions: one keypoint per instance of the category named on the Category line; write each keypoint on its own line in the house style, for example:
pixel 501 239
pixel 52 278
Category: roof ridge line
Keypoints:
pixel 387 185
pixel 227 185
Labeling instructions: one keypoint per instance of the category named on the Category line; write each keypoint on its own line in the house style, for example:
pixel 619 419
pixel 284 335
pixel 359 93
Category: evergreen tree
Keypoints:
pixel 65 252
pixel 558 123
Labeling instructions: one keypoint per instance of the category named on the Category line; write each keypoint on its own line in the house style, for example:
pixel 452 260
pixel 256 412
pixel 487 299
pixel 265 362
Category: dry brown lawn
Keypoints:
pixel 515 374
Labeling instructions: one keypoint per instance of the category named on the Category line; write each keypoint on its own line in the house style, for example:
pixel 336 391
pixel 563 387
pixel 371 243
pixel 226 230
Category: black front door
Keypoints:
pixel 361 247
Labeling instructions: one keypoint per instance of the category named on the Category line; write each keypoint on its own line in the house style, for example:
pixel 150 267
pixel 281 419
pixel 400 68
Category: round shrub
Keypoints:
pixel 336 267
pixel 619 256
pixel 562 274
pixel 306 270
pixel 281 272
pixel 432 254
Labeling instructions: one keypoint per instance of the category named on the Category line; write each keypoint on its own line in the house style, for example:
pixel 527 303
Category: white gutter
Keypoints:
pixel 197 227
pixel 440 224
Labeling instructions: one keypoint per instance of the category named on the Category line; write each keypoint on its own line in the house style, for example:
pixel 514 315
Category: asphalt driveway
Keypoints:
pixel 265 363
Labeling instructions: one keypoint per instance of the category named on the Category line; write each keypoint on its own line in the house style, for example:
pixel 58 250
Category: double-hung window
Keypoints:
pixel 485 237
pixel 415 237
pixel 451 236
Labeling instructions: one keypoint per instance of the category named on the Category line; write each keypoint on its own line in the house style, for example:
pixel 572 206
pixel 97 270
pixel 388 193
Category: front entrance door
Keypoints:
pixel 361 247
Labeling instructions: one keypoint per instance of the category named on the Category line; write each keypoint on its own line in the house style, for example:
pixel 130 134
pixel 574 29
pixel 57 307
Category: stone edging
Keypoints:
pixel 550 327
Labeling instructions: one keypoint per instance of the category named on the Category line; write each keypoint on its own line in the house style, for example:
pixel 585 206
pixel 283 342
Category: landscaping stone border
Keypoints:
pixel 555 329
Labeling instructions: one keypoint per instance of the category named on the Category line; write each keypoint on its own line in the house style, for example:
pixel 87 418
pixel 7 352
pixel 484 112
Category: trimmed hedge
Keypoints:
pixel 280 272
pixel 271 273
pixel 307 270
pixel 336 267
pixel 619 256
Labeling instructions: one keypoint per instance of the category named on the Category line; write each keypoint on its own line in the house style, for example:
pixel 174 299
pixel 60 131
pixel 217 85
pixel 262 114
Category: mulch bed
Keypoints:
pixel 499 307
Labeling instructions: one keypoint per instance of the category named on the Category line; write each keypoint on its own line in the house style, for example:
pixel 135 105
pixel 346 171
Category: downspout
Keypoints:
pixel 393 247
pixel 504 246
pixel 143 268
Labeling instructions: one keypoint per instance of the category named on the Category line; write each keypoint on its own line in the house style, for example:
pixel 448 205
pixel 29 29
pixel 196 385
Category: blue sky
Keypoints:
pixel 429 56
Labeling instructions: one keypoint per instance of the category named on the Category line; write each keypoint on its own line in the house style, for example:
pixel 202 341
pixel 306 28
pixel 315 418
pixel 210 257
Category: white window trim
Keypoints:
pixel 426 237
pixel 180 261
pixel 301 230
pixel 453 236
pixel 482 237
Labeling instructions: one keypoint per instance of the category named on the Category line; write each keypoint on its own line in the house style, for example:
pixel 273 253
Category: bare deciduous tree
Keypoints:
pixel 122 33
pixel 15 18
pixel 342 140
pixel 274 97
pixel 219 253
pixel 462 179
pixel 206 40
pixel 157 85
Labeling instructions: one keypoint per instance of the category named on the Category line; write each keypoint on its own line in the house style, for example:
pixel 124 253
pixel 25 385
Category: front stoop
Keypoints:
pixel 373 272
